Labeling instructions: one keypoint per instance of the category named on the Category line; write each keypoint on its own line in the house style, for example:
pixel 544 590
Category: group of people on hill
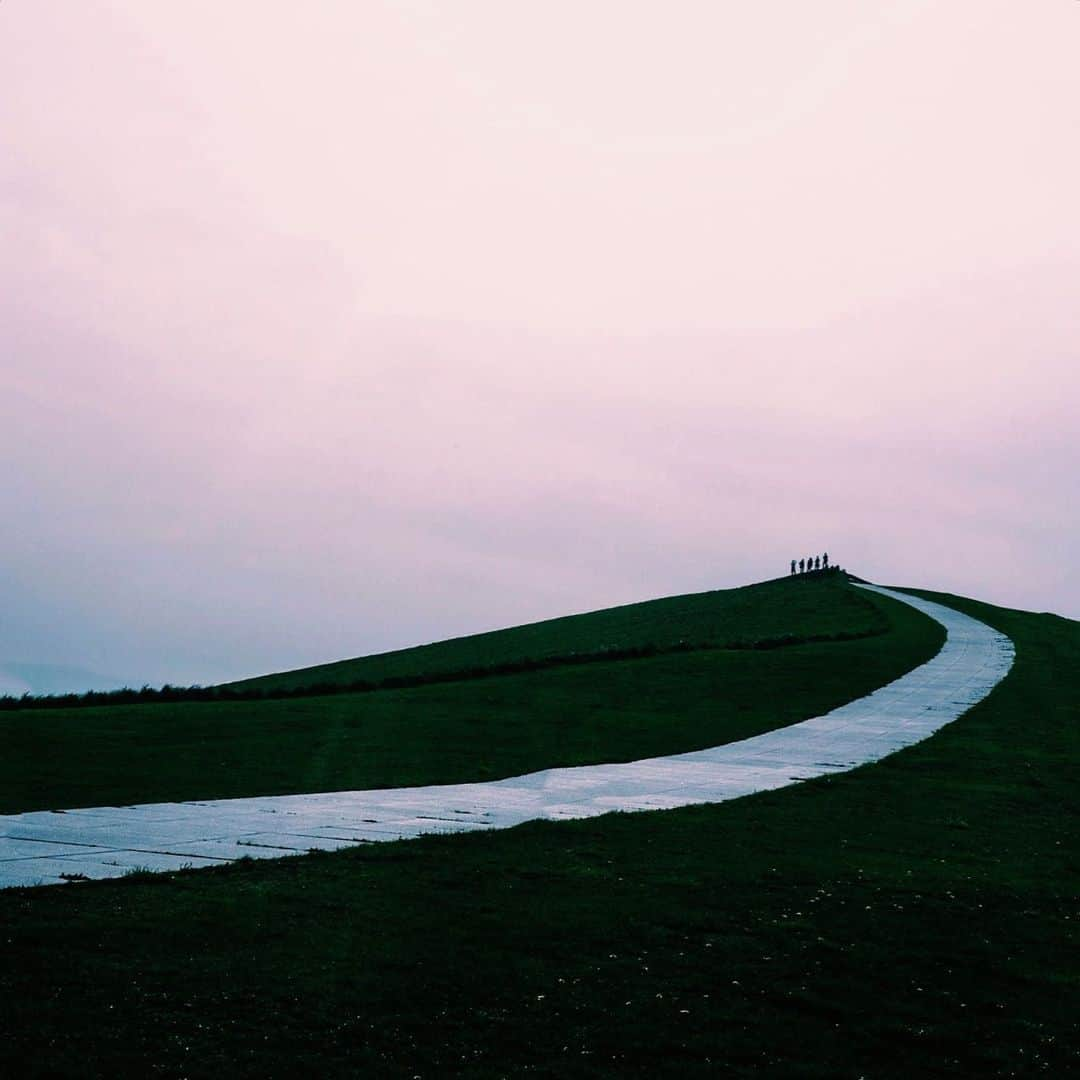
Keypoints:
pixel 815 562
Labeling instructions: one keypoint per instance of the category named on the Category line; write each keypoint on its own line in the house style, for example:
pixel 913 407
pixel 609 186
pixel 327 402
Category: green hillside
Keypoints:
pixel 914 918
pixel 483 728
pixel 809 606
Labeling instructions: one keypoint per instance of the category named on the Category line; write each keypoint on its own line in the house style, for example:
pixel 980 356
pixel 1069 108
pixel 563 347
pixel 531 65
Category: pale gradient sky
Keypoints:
pixel 332 327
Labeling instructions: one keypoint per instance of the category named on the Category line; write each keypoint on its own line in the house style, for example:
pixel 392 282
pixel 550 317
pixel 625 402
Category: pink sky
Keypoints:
pixel 327 328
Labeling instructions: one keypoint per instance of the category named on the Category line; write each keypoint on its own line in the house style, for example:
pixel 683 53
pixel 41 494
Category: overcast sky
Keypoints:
pixel 331 327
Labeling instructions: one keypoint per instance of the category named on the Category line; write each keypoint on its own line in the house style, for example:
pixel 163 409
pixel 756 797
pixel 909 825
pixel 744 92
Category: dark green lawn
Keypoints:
pixel 810 605
pixel 915 918
pixel 458 731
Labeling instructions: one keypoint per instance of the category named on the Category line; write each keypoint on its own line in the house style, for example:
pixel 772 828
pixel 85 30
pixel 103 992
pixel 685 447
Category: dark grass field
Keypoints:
pixel 477 729
pixel 914 918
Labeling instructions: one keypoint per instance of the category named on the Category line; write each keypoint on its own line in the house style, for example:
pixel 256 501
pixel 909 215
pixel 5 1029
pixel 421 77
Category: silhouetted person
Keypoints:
pixel 802 565
pixel 817 562
pixel 793 566
pixel 825 560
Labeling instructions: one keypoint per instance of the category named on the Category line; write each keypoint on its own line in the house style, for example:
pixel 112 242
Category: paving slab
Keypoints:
pixel 47 847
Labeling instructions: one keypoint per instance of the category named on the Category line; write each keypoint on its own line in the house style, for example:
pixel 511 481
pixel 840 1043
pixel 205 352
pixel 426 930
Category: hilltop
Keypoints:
pixel 788 610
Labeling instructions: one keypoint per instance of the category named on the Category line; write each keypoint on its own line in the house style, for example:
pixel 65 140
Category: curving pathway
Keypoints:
pixel 44 847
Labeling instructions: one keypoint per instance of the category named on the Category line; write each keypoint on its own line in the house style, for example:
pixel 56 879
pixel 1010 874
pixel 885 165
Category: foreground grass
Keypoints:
pixel 913 918
pixel 459 731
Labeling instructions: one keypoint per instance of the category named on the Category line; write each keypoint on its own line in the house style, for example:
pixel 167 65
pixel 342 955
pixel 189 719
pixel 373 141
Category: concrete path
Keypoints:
pixel 45 847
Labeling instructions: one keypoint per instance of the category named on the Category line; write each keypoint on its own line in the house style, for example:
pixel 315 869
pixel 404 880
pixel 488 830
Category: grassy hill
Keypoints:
pixel 813 606
pixel 490 727
pixel 917 917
